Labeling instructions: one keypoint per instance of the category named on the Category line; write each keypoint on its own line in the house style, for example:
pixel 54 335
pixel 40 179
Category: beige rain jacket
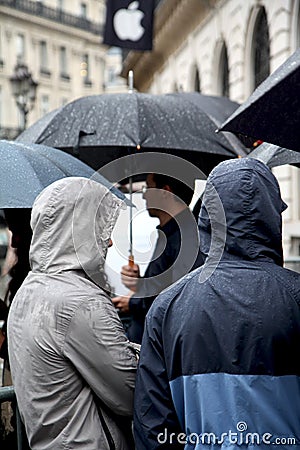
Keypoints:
pixel 66 343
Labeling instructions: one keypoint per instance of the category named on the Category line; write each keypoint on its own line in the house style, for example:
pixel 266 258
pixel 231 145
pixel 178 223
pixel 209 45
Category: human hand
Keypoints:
pixel 122 302
pixel 130 276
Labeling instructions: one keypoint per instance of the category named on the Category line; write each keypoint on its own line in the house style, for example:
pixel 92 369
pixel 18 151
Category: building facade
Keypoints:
pixel 60 42
pixel 224 47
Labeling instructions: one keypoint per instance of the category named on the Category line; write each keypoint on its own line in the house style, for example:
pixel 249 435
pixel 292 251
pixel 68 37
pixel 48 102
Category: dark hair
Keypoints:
pixel 180 189
pixel 18 221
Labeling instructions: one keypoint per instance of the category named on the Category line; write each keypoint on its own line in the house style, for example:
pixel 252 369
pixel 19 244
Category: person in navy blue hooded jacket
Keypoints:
pixel 219 364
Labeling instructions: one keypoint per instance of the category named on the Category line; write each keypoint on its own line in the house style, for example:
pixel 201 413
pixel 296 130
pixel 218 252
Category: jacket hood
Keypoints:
pixel 244 203
pixel 72 220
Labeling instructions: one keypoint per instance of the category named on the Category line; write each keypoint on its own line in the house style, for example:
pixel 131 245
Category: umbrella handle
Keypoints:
pixel 131 260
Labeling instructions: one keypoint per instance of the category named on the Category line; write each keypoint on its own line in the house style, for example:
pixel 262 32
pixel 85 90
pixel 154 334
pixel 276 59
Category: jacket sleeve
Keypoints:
pixel 154 414
pixel 157 277
pixel 139 306
pixel 97 346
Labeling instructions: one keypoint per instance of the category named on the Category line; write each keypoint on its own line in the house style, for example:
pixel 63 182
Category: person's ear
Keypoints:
pixel 166 191
pixel 167 188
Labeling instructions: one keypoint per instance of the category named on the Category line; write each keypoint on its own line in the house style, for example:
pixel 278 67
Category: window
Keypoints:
pixel 257 49
pixel 298 29
pixel 83 10
pixel 1 49
pixel 261 49
pixel 111 75
pixel 114 51
pixel 1 106
pixel 44 104
pixel 221 68
pixel 224 73
pixel 44 58
pixel 197 84
pixel 20 47
pixel 84 70
pixel 63 63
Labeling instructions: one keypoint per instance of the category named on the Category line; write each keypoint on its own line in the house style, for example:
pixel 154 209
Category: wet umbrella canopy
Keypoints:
pixel 274 156
pixel 26 169
pixel 218 108
pixel 272 112
pixel 38 127
pixel 101 128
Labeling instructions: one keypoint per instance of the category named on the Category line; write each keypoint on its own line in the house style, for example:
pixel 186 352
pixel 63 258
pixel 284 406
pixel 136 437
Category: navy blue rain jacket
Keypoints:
pixel 220 359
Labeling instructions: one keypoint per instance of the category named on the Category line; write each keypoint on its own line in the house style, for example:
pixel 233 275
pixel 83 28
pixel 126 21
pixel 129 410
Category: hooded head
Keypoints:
pixel 72 220
pixel 242 203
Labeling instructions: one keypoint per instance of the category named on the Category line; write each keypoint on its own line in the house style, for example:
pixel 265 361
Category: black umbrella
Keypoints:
pixel 272 112
pixel 274 156
pixel 101 128
pixel 26 169
pixel 218 108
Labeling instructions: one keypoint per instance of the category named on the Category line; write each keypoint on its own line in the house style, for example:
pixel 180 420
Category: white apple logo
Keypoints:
pixel 127 22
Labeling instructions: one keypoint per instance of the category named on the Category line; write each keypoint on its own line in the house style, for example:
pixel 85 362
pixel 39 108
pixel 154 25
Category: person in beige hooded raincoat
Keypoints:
pixel 72 366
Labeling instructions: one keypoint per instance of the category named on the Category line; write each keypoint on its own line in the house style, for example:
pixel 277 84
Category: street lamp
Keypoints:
pixel 23 89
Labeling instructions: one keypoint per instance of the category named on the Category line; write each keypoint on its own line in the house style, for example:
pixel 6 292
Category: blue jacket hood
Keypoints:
pixel 250 225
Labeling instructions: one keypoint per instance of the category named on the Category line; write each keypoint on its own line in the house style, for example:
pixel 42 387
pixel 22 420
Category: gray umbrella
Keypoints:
pixel 26 169
pixel 274 156
pixel 101 128
pixel 37 128
pixel 272 112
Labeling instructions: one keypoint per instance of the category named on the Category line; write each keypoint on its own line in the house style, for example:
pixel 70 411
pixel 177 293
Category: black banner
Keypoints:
pixel 129 24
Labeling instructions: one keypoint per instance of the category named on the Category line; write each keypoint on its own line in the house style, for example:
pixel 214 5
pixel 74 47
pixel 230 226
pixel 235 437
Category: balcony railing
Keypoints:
pixel 56 15
pixel 7 394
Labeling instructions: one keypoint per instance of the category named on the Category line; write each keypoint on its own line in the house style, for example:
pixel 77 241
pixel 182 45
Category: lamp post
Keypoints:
pixel 23 89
